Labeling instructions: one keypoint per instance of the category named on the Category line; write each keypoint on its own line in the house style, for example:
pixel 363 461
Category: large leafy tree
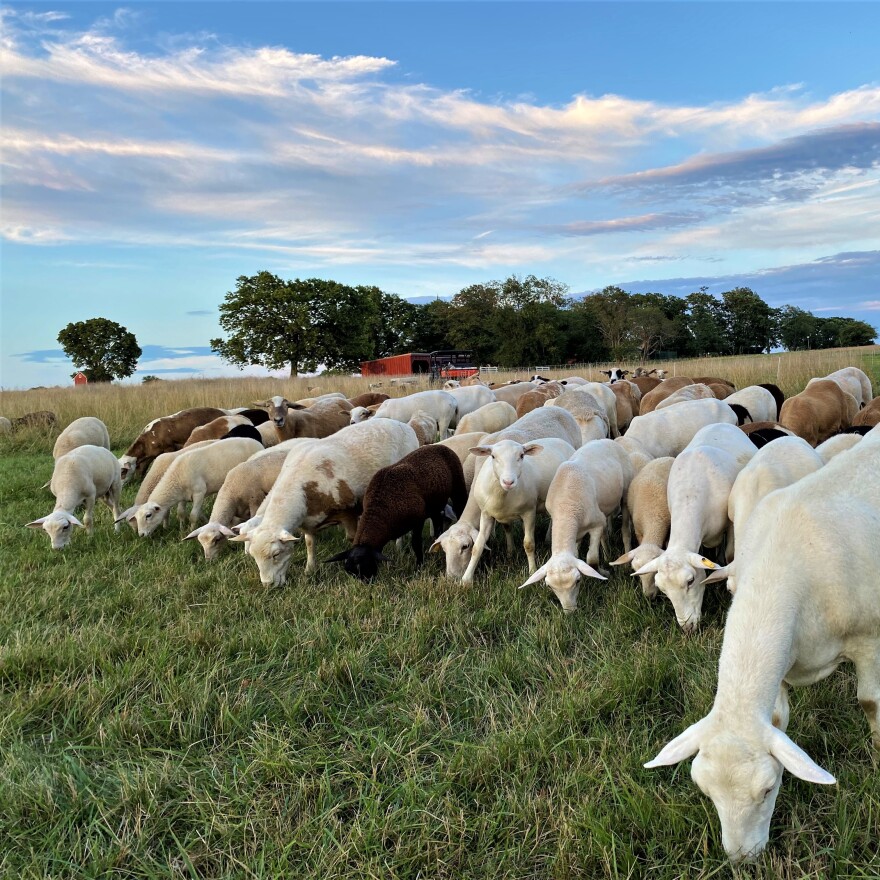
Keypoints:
pixel 799 328
pixel 706 324
pixel 300 323
pixel 751 323
pixel 100 348
pixel 611 308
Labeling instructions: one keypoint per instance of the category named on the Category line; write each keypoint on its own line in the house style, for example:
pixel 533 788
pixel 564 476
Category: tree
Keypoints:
pixel 611 309
pixel 100 348
pixel 851 332
pixel 273 323
pixel 705 323
pixel 751 323
pixel 649 327
pixel 799 329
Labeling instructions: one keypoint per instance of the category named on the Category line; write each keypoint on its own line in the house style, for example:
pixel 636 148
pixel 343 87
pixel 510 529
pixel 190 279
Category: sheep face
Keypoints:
pixel 360 414
pixel 640 556
pixel 457 542
pixel 127 467
pixel 360 562
pixel 212 537
pixel 680 576
pixel 741 774
pixel 149 517
pixel 563 575
pixel 59 526
pixel 272 551
pixel 507 460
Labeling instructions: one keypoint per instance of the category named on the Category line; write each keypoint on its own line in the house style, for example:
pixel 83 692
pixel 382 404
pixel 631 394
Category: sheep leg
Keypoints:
pixel 88 516
pixel 780 709
pixel 868 672
pixel 311 563
pixel 508 538
pixel 487 523
pixel 181 511
pixel 195 513
pixel 111 499
pixel 729 546
pixel 626 528
pixel 416 537
pixel 528 519
pixel 595 535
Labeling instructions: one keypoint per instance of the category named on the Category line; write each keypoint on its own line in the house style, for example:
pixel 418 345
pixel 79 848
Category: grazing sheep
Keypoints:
pixel 81 476
pixel 534 399
pixel 688 392
pixel 87 431
pixel 495 416
pixel 472 380
pixel 835 445
pixel 216 429
pixel 700 482
pixel 645 383
pixel 607 398
pixel 471 398
pixel 628 398
pixel 192 476
pixel 869 415
pixel 649 514
pixel 324 483
pixel 398 501
pixel 425 426
pixel 243 492
pixel 511 393
pixel 368 398
pixel 752 427
pixel 714 380
pixel 760 402
pixel 851 380
pixel 440 404
pixel 587 489
pixel 164 434
pixel 719 391
pixel 247 430
pixel 458 540
pixel 767 435
pixel 461 445
pixel 669 430
pixel 589 414
pixel 778 396
pixel 663 390
pixel 513 486
pixel 5 425
pixel 256 417
pixel 807 598
pixel 40 419
pixel 821 410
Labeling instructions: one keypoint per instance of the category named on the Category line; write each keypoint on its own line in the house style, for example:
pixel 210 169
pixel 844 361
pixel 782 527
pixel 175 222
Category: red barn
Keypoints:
pixel 437 364
pixel 80 379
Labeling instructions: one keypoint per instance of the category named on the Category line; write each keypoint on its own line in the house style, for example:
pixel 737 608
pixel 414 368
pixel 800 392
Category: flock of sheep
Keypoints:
pixel 791 487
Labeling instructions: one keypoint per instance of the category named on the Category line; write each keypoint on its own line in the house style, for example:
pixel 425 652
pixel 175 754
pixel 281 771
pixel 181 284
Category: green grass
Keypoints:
pixel 161 716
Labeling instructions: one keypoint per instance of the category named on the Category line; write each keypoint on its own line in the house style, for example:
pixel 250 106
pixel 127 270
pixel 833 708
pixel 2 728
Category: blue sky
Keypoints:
pixel 152 153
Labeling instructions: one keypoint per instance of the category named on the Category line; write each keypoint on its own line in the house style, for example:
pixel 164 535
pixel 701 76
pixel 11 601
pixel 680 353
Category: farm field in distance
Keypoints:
pixel 165 717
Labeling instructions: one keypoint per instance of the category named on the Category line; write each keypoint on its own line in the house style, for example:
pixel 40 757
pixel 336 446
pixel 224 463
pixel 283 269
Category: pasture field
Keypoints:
pixel 164 717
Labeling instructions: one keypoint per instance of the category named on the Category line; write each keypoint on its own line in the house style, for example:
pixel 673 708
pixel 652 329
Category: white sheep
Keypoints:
pixel 81 476
pixel 326 482
pixel 268 433
pixel 808 597
pixel 243 493
pixel 193 476
pixel 587 489
pixel 835 445
pixel 760 403
pixel 700 481
pixel 87 431
pixel 649 514
pixel 470 398
pixel 425 426
pixel 440 404
pixel 852 380
pixel 458 540
pixel 590 415
pixel 513 486
pixel 689 392
pixel 667 432
pixel 492 417
pixel 605 396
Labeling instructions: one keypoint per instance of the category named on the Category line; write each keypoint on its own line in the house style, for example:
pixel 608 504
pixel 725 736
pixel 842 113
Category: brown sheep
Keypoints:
pixel 511 393
pixel 627 404
pixel 368 398
pixel 324 418
pixel 165 434
pixel 661 392
pixel 819 411
pixel 720 391
pixel 216 428
pixel 714 380
pixel 868 415
pixel 538 397
pixel 39 419
pixel 762 426
pixel 645 383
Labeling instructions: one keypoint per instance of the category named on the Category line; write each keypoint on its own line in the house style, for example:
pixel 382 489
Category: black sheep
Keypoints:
pixel 399 499
pixel 778 396
pixel 257 416
pixel 244 431
pixel 741 413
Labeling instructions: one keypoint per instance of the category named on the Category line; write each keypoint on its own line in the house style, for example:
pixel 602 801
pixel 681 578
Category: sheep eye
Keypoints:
pixel 464 546
pixel 66 526
pixel 766 794
pixel 690 580
pixel 148 514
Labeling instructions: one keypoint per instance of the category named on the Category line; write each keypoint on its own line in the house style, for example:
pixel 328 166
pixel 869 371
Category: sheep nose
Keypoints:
pixel 506 484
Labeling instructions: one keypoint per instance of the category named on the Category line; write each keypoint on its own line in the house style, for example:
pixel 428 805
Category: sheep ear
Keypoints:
pixel 75 521
pixel 589 571
pixel 37 523
pixel 339 557
pixel 627 557
pixel 796 760
pixel 240 538
pixel 46 484
pixel 532 448
pixel 680 748
pixel 226 531
pixel 263 404
pixel 296 406
pixel 194 534
pixel 449 513
pixel 480 450
pixel 127 515
pixel 285 537
pixel 698 561
pixel 540 573
pixel 721 573
pixel 435 547
pixel 648 567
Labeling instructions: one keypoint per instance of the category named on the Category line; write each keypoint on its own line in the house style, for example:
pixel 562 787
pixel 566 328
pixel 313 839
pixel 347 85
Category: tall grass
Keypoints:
pixel 162 717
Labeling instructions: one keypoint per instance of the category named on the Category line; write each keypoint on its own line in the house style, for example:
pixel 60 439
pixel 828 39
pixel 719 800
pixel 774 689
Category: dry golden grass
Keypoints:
pixel 127 408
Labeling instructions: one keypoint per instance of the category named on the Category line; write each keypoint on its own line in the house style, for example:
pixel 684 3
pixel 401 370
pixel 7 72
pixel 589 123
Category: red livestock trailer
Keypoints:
pixel 436 364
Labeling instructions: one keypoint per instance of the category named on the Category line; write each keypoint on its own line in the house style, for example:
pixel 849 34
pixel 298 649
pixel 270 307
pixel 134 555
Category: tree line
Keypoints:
pixel 301 324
